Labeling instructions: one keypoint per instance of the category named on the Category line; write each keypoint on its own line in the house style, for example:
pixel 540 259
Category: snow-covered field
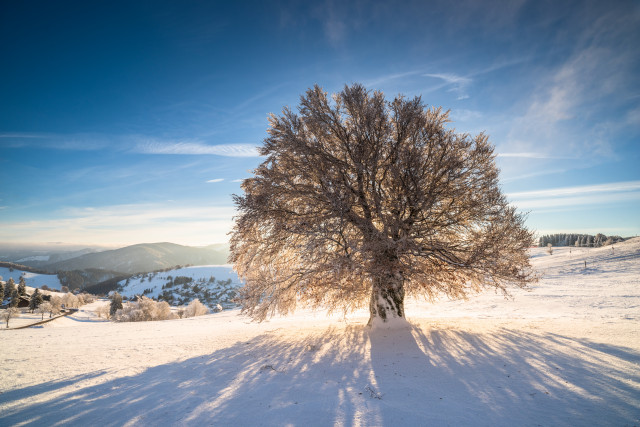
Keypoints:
pixel 34 280
pixel 567 352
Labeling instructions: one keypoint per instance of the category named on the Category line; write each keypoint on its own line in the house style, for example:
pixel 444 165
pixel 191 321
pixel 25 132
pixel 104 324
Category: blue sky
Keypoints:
pixel 129 122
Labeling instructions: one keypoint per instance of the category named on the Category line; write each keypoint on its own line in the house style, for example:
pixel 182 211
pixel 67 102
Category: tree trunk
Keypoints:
pixel 387 298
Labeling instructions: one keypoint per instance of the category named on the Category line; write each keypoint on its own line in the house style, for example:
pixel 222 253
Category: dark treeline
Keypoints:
pixel 13 266
pixel 111 284
pixel 579 240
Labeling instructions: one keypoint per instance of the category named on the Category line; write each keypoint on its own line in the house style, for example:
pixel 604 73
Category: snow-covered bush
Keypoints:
pixel 70 300
pixel 103 311
pixel 43 308
pixel 88 298
pixel 195 308
pixel 143 310
pixel 56 305
pixel 9 314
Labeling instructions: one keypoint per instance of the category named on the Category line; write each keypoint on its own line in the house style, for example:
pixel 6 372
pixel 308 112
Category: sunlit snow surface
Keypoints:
pixel 35 280
pixel 566 352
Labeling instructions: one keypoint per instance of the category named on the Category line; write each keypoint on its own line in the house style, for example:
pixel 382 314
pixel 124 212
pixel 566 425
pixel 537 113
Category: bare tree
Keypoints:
pixel 43 308
pixel 364 200
pixel 9 314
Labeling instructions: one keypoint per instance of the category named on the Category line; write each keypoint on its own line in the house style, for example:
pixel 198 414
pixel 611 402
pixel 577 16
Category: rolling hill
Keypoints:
pixel 144 258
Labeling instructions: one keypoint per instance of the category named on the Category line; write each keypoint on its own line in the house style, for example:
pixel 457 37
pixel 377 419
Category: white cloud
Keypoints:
pixel 458 83
pixel 511 178
pixel 584 189
pixel 570 105
pixel 462 115
pixel 128 224
pixel 600 194
pixel 70 142
pixel 196 148
pixel 216 180
pixel 451 78
pixel 373 83
pixel 558 202
pixel 531 155
pixel 143 144
pixel 523 155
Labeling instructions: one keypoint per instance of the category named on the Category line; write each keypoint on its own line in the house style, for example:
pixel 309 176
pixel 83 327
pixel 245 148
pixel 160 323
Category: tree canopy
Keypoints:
pixel 36 300
pixel 363 200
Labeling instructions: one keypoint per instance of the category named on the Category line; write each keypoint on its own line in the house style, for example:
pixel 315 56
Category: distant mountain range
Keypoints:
pixel 128 260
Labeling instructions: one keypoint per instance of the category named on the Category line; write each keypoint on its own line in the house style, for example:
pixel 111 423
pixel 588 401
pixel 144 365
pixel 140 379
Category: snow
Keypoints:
pixel 34 280
pixel 213 284
pixel 566 352
pixel 155 281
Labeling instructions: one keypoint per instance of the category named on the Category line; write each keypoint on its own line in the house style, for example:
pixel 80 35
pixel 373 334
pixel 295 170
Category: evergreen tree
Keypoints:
pixel 15 298
pixel 9 287
pixel 36 300
pixel 1 293
pixel 116 304
pixel 22 286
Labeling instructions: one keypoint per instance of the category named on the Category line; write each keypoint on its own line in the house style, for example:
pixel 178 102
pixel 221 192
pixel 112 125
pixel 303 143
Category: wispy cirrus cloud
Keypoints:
pixel 215 180
pixel 569 110
pixel 69 142
pixel 532 155
pixel 142 144
pixel 128 224
pixel 583 189
pixel 377 81
pixel 198 148
pixel 600 194
pixel 458 84
pixel 511 178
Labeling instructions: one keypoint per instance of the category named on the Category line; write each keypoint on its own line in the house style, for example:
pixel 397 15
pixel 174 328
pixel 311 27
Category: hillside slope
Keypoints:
pixel 211 284
pixel 144 257
pixel 32 279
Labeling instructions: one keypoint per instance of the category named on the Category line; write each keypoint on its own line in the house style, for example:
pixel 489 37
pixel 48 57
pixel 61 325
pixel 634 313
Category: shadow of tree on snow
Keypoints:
pixel 351 375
